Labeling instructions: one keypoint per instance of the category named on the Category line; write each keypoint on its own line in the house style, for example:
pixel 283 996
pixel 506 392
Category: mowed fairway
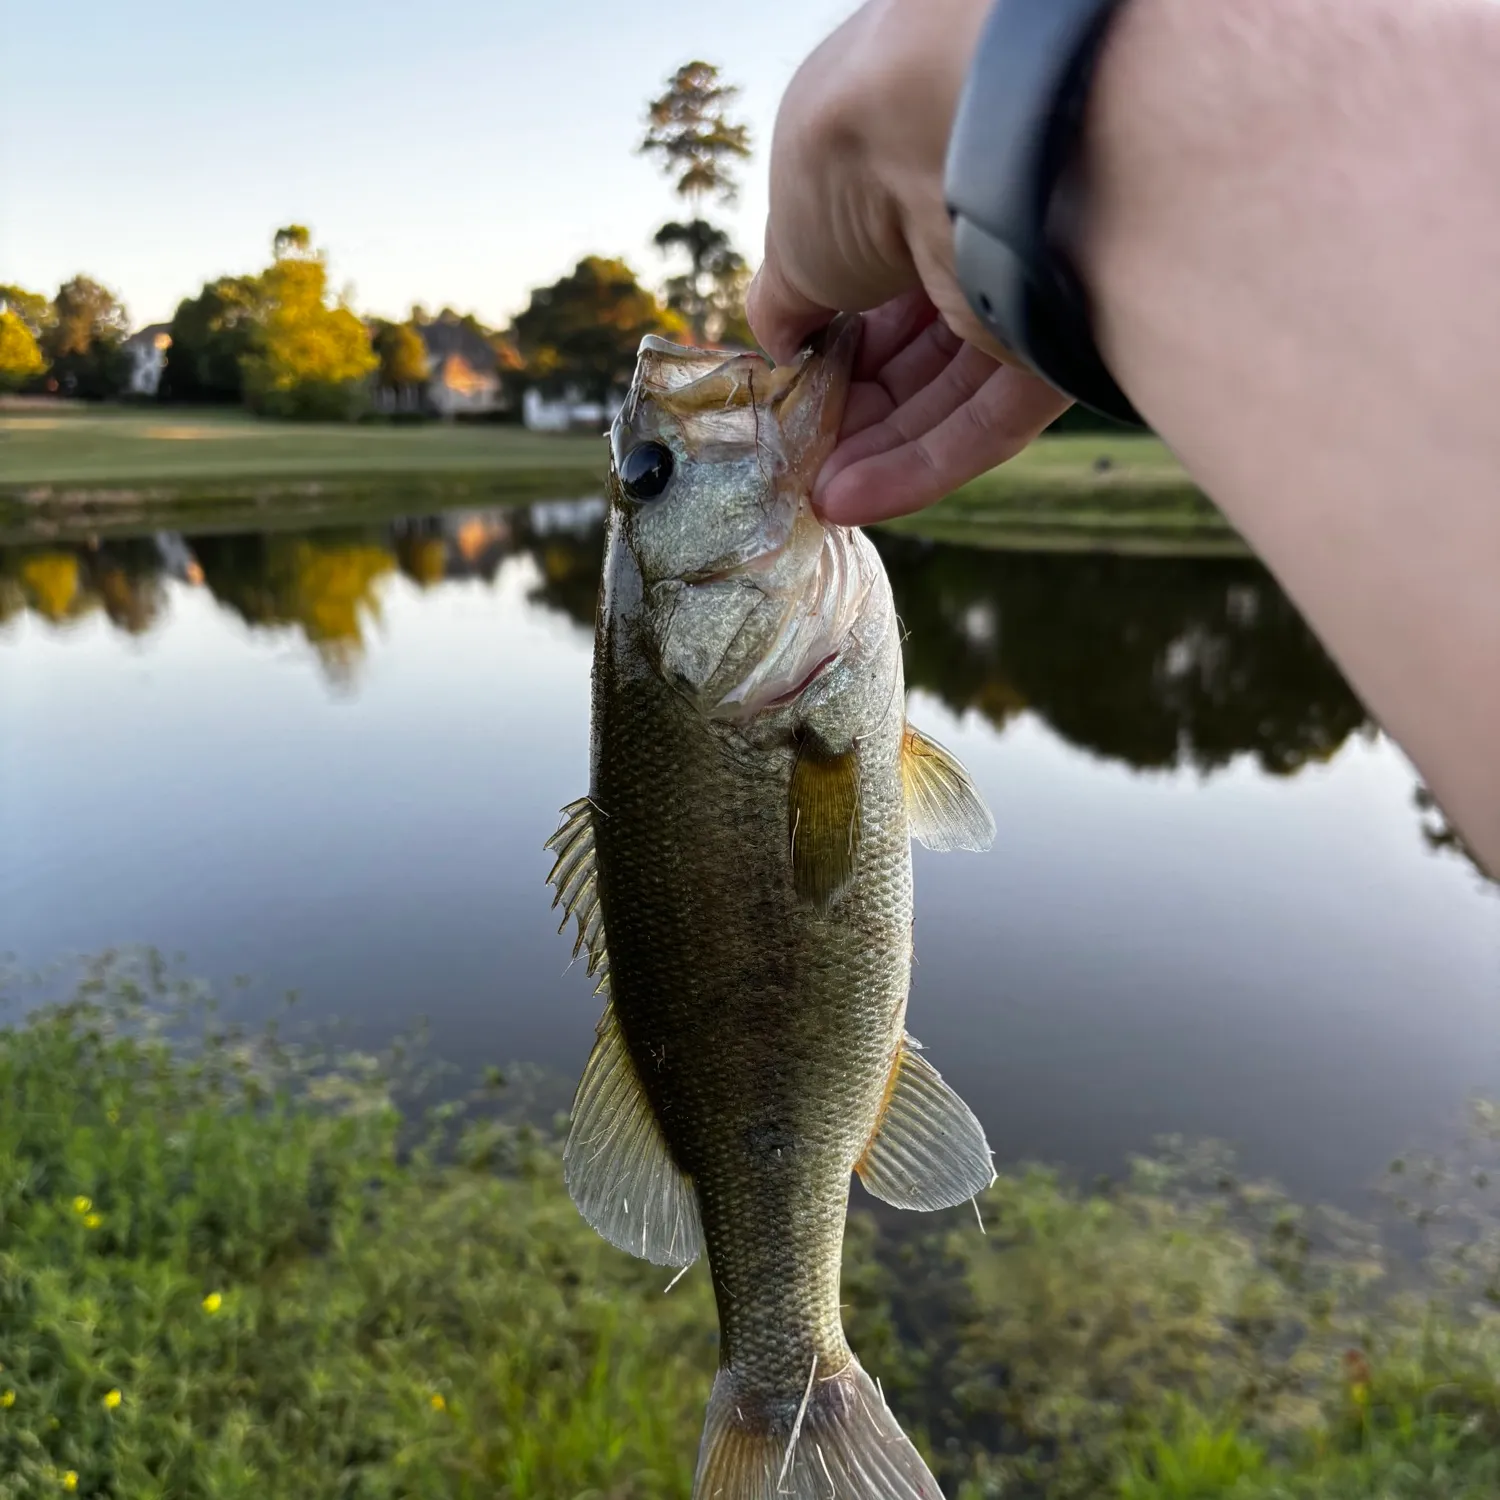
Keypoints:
pixel 110 447
pixel 112 467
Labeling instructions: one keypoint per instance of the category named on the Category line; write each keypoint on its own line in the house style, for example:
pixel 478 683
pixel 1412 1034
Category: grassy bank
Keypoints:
pixel 73 470
pixel 229 1270
pixel 1120 492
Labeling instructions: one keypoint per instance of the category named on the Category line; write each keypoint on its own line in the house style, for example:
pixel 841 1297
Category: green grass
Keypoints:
pixel 230 1268
pixel 1117 491
pixel 67 468
pixel 107 448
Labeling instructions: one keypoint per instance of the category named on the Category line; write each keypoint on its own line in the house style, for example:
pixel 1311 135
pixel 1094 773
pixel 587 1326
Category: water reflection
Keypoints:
pixel 325 585
pixel 1159 663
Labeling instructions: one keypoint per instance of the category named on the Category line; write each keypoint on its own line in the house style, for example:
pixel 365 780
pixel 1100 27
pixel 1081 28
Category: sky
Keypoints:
pixel 447 152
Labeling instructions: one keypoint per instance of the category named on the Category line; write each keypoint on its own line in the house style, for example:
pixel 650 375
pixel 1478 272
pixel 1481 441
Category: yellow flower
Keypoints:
pixel 70 1479
pixel 436 1402
pixel 212 1303
pixel 113 1116
pixel 112 1399
pixel 7 1399
pixel 92 1221
pixel 82 1205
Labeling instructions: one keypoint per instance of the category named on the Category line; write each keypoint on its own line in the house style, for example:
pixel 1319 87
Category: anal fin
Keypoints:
pixel 618 1166
pixel 943 806
pixel 928 1150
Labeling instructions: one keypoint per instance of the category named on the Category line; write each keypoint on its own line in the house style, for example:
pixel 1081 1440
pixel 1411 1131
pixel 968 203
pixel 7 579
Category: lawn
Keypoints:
pixel 144 447
pixel 104 469
pixel 231 1269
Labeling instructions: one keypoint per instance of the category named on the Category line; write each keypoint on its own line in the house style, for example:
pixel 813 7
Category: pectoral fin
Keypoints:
pixel 618 1166
pixel 943 806
pixel 928 1151
pixel 823 824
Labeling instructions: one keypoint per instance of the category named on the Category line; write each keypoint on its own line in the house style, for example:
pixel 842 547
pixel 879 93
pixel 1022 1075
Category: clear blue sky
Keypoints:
pixel 444 151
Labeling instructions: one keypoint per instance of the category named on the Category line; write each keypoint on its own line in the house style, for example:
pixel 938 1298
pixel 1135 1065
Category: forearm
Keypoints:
pixel 1291 231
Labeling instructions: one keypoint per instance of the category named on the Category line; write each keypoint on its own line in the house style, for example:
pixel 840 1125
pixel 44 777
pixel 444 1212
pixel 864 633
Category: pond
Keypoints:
pixel 1219 903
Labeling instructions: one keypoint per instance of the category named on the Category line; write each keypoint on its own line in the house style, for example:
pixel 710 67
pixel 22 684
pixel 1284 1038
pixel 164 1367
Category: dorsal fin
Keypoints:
pixel 943 806
pixel 618 1166
pixel 576 879
pixel 928 1150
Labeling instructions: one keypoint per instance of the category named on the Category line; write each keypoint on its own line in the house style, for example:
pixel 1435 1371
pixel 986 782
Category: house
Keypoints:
pixel 463 371
pixel 147 352
pixel 463 376
pixel 568 412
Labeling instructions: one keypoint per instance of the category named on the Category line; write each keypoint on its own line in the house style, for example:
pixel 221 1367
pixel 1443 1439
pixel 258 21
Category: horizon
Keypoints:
pixel 120 196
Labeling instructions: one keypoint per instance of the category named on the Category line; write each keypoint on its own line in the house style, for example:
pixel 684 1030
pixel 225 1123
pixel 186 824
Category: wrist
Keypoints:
pixel 1006 187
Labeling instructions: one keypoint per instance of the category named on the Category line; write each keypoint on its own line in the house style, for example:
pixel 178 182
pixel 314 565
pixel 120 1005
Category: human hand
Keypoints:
pixel 926 413
pixel 858 222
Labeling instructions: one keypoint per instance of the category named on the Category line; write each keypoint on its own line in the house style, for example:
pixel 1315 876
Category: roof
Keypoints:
pixel 149 334
pixel 447 336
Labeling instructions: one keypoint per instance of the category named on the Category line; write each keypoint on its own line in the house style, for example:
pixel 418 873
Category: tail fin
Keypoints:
pixel 839 1442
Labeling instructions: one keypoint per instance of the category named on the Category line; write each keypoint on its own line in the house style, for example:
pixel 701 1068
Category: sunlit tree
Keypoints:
pixel 403 360
pixel 21 358
pixel 32 308
pixel 312 359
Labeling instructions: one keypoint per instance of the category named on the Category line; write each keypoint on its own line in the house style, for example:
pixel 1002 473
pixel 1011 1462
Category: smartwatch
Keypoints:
pixel 1017 126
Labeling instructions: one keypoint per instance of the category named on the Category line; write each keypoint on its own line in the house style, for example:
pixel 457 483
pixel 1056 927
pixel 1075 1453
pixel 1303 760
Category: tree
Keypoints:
pixel 212 334
pixel 696 144
pixel 310 360
pixel 711 294
pixel 85 342
pixel 292 242
pixel 582 332
pixel 33 309
pixel 21 359
pixel 403 359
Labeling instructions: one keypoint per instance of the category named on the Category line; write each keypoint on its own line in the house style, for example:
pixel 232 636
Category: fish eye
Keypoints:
pixel 646 471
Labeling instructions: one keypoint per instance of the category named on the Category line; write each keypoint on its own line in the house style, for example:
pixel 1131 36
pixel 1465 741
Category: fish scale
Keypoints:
pixel 776 1022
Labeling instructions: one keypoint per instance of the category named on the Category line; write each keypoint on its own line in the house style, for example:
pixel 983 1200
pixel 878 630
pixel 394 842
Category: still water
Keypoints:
pixel 328 759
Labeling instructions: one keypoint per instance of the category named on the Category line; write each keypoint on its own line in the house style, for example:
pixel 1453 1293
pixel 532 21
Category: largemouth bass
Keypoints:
pixel 740 873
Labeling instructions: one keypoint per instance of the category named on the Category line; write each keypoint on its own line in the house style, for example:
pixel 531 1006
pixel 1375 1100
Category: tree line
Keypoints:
pixel 279 342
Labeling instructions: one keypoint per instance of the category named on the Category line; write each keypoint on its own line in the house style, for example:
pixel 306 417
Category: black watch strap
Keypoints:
pixel 1017 124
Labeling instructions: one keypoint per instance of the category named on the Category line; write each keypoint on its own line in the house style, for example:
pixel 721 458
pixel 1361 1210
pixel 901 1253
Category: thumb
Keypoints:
pixel 780 316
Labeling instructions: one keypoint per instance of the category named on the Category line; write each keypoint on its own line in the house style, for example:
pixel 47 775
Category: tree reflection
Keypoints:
pixel 1439 834
pixel 1156 662
pixel 322 584
pixel 127 577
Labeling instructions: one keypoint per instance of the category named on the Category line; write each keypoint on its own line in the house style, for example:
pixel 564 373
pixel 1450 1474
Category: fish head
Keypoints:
pixel 729 585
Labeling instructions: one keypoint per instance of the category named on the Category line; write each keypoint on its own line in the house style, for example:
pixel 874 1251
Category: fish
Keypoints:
pixel 740 877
